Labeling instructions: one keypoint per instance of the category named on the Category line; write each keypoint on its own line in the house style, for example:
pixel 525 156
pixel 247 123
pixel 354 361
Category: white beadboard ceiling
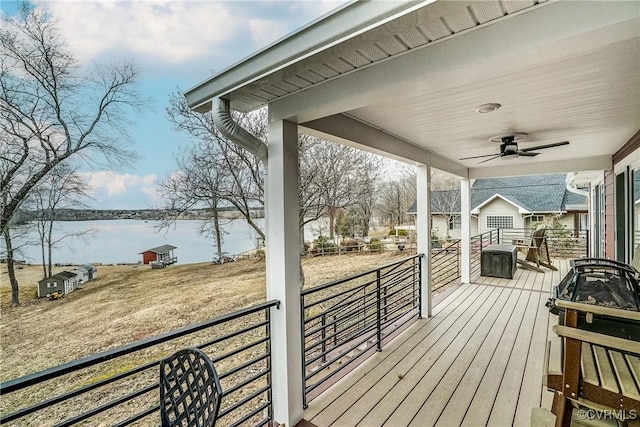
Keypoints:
pixel 562 71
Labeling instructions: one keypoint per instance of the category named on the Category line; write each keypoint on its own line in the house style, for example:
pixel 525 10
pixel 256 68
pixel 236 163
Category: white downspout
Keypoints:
pixel 221 114
pixel 571 186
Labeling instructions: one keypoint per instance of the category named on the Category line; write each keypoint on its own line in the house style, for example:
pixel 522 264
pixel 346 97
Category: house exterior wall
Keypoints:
pixel 609 216
pixel 499 207
pixel 148 257
pixel 440 227
pixel 568 220
pixel 618 228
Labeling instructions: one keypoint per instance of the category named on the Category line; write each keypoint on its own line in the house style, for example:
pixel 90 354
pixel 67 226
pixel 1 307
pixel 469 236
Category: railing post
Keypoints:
pixel 379 306
pixel 269 375
pixel 324 337
pixel 420 285
pixel 588 243
pixel 303 345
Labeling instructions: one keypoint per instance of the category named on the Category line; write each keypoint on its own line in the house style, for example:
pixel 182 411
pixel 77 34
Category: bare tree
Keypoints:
pixel 214 172
pixel 242 185
pixel 342 177
pixel 51 109
pixel 61 188
pixel 396 197
pixel 197 183
pixel 445 197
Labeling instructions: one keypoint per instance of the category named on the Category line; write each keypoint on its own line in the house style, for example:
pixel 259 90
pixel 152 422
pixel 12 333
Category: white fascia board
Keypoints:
pixel 521 210
pixel 344 23
pixel 557 166
pixel 468 57
pixel 346 130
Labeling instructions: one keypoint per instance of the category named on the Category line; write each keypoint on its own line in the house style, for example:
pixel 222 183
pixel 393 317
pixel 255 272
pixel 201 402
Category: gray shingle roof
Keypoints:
pixel 535 193
pixel 161 249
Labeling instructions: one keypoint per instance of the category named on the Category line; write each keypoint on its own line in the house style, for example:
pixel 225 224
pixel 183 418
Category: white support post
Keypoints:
pixel 423 231
pixel 465 231
pixel 283 271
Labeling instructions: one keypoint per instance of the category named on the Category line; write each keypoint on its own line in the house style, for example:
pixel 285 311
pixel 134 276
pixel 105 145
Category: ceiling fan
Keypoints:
pixel 509 147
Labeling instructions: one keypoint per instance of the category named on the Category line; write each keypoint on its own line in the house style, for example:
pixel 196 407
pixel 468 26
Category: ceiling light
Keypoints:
pixel 487 108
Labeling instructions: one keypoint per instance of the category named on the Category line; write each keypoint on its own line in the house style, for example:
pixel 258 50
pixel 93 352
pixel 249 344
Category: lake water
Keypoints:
pixel 121 241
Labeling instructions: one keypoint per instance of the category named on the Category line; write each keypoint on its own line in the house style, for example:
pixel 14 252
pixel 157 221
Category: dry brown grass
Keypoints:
pixel 128 303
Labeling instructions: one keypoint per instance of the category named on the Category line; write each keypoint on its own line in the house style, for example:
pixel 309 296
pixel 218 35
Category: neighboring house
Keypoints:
pixel 162 254
pixel 510 202
pixel 65 282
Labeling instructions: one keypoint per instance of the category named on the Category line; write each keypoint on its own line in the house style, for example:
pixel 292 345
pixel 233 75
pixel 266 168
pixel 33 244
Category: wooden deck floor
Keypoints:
pixel 478 361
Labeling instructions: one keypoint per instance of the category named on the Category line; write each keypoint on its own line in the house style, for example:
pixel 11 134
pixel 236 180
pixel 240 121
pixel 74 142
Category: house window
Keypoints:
pixel 51 285
pixel 537 218
pixel 455 223
pixel 499 221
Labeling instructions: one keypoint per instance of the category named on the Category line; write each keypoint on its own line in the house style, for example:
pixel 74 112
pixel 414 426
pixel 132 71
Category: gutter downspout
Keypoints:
pixel 571 186
pixel 221 114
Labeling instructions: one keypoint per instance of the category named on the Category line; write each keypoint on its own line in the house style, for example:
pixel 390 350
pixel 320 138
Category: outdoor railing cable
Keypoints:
pixel 238 343
pixel 344 319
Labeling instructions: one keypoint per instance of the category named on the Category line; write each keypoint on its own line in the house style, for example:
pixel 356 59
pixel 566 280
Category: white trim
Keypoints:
pixel 465 229
pixel 521 210
pixel 423 227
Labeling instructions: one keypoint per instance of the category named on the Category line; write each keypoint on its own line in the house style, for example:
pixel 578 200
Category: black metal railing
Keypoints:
pixel 120 386
pixel 445 264
pixel 478 243
pixel 346 319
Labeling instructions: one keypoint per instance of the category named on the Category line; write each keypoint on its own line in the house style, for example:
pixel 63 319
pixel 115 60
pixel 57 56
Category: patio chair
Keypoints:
pixel 537 252
pixel 190 390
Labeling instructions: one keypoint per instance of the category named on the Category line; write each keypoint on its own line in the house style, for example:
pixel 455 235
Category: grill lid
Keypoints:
pixel 601 282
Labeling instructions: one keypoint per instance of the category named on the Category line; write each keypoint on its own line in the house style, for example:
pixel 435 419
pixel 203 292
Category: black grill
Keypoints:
pixel 605 283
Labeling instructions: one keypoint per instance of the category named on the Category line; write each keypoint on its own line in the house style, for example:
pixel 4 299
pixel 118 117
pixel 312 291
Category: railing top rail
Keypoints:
pixel 346 279
pixel 94 359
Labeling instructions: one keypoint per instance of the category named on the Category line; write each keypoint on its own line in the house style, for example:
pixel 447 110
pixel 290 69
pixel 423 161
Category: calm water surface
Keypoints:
pixel 121 241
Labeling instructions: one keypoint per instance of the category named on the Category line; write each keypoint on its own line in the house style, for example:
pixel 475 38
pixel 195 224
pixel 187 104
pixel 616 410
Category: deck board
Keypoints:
pixel 418 336
pixel 478 360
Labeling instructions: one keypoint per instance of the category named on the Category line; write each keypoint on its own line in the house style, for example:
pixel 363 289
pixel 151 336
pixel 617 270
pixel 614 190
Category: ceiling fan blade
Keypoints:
pixel 540 147
pixel 494 157
pixel 526 153
pixel 477 157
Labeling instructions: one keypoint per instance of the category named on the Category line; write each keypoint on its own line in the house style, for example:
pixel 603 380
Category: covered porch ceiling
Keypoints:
pixel 404 79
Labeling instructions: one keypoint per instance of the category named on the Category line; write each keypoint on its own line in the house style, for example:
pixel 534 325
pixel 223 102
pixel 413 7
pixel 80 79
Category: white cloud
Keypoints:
pixel 265 31
pixel 171 32
pixel 111 190
pixel 163 31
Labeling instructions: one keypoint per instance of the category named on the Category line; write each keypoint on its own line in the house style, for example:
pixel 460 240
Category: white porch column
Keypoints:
pixel 283 273
pixel 423 231
pixel 465 231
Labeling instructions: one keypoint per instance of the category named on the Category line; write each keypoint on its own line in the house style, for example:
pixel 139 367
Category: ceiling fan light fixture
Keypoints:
pixel 487 108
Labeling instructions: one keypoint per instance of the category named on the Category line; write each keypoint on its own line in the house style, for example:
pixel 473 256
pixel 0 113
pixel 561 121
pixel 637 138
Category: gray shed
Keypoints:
pixel 65 281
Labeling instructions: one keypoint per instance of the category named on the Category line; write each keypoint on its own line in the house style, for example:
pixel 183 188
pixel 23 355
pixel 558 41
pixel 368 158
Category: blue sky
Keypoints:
pixel 176 44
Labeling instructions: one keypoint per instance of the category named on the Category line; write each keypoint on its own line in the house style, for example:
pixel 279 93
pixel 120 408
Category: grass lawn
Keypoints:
pixel 128 303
